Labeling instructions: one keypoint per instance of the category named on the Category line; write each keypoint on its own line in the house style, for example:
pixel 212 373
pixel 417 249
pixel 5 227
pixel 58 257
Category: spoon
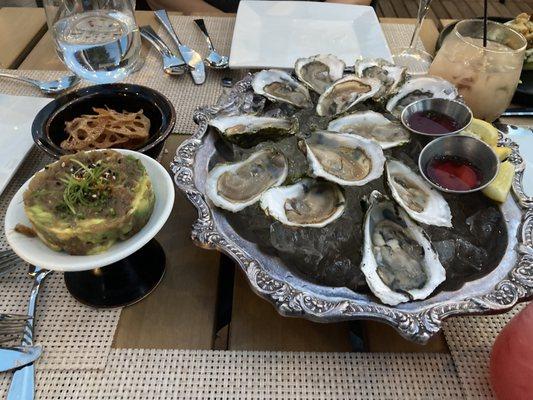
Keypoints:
pixel 48 87
pixel 213 60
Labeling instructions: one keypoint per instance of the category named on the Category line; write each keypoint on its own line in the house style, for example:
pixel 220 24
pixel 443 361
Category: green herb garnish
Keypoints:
pixel 88 186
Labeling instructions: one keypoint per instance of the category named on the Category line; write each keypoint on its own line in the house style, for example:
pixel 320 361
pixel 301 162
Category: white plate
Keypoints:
pixel 35 252
pixel 273 34
pixel 16 116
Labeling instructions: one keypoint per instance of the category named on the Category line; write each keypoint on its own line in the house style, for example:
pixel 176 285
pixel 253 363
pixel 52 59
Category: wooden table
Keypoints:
pixel 186 311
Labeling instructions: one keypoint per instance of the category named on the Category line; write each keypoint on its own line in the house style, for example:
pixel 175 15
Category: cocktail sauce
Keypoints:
pixel 454 173
pixel 432 122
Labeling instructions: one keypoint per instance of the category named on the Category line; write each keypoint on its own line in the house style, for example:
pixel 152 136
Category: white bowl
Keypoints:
pixel 35 252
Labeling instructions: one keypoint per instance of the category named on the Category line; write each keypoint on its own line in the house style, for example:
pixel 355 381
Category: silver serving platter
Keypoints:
pixel 509 283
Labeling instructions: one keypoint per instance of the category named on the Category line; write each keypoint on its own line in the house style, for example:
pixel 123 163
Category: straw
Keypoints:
pixel 486 6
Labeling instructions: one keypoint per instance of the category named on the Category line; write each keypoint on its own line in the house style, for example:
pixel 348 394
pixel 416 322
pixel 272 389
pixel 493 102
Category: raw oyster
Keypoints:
pixel 399 262
pixel 250 129
pixel 372 125
pixel 422 202
pixel 420 88
pixel 308 202
pixel 345 94
pixel 234 186
pixel 320 71
pixel 387 73
pixel 280 86
pixel 342 158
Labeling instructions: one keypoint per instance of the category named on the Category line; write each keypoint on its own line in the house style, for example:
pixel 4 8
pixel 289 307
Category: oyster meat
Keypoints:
pixel 372 125
pixel 235 186
pixel 307 203
pixel 278 85
pixel 390 75
pixel 420 88
pixel 423 203
pixel 345 93
pixel 399 262
pixel 342 158
pixel 320 71
pixel 250 129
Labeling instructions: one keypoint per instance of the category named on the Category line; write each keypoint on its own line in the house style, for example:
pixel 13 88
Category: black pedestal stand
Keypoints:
pixel 120 284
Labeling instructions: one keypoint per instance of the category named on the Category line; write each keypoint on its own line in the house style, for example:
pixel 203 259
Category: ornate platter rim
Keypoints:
pixel 292 301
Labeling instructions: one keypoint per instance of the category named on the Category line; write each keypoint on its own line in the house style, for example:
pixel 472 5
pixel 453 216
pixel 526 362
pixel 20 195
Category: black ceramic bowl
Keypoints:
pixel 48 128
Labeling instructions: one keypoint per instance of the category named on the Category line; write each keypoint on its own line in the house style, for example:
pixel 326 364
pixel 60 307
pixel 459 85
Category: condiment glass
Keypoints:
pixel 97 40
pixel 486 77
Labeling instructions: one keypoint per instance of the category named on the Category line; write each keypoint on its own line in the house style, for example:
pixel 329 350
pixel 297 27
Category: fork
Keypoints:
pixel 11 325
pixel 23 382
pixel 6 261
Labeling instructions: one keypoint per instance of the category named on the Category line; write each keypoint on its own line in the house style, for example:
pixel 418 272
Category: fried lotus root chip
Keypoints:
pixel 108 128
pixel 82 132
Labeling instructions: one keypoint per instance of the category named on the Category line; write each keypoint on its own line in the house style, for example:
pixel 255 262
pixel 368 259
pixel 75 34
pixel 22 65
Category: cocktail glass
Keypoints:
pixel 486 77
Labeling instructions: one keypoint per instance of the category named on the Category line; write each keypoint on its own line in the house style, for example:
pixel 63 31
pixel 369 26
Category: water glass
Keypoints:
pixel 98 40
pixel 486 77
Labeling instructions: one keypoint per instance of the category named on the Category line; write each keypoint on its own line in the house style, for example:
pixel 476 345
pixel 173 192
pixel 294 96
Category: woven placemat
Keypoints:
pixel 190 374
pixel 470 341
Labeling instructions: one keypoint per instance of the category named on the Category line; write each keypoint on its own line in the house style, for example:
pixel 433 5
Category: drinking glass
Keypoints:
pixel 98 40
pixel 416 61
pixel 486 77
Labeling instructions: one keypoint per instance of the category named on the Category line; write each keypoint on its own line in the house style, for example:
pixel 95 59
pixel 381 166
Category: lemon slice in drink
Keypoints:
pixel 499 188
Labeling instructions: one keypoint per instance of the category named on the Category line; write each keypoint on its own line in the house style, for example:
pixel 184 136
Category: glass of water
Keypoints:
pixel 98 40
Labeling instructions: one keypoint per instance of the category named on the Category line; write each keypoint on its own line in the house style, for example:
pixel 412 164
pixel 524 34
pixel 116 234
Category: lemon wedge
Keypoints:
pixel 485 131
pixel 502 152
pixel 499 188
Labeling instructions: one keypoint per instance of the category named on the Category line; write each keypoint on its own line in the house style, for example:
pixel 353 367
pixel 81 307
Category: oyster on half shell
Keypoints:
pixel 307 203
pixel 419 88
pixel 235 186
pixel 423 203
pixel 399 262
pixel 278 85
pixel 390 75
pixel 249 129
pixel 345 93
pixel 372 125
pixel 342 158
pixel 320 71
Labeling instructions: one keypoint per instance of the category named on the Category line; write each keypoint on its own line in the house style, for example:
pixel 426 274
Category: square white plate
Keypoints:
pixel 273 34
pixel 16 116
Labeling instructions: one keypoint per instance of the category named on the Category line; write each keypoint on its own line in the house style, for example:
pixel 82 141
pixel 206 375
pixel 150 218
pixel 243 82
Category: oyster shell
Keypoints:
pixel 345 93
pixel 422 202
pixel 372 125
pixel 280 86
pixel 418 88
pixel 390 75
pixel 235 186
pixel 249 129
pixel 307 203
pixel 320 71
pixel 399 262
pixel 342 158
